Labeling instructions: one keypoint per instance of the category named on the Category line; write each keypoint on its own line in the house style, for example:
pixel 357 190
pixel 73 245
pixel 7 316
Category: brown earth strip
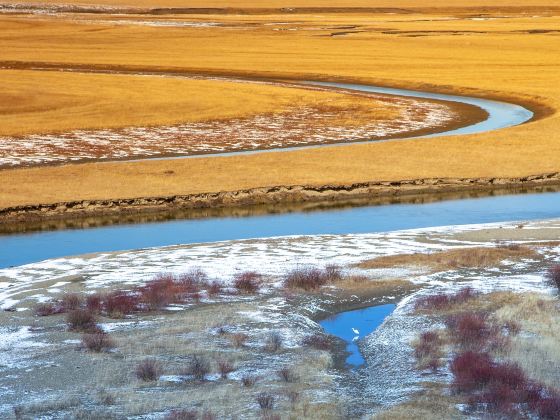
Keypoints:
pixel 264 195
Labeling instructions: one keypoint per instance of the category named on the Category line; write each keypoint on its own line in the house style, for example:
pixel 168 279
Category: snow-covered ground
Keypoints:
pixel 389 376
pixel 270 256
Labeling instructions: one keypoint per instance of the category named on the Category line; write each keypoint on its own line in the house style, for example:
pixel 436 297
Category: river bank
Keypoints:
pixel 267 195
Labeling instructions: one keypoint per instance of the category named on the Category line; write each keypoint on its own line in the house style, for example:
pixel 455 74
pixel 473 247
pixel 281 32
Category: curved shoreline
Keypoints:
pixel 466 112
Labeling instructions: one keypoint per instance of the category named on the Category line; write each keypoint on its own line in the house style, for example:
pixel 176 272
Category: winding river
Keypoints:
pixel 22 248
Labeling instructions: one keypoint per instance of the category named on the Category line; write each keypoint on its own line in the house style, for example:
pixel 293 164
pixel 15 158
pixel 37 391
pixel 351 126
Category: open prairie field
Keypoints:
pixel 510 55
pixel 57 117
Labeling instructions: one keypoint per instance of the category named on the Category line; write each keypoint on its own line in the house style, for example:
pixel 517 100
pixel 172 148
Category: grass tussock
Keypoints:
pixel 248 282
pixel 198 368
pixel 312 278
pixel 477 257
pixel 148 370
pixel 97 342
pixel 81 320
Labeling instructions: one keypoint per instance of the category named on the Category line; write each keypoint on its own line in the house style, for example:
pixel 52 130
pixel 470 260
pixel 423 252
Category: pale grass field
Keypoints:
pixel 504 58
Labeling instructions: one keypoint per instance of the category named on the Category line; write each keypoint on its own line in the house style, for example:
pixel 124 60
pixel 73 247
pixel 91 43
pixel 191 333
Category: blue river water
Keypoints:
pixel 351 326
pixel 25 248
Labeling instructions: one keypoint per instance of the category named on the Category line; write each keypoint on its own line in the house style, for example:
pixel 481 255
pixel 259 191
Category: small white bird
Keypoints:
pixel 355 331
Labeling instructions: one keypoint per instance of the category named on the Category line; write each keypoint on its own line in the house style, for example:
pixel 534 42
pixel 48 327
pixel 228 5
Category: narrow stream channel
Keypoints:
pixel 352 326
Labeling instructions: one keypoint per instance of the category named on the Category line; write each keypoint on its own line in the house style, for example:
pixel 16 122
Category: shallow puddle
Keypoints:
pixel 352 326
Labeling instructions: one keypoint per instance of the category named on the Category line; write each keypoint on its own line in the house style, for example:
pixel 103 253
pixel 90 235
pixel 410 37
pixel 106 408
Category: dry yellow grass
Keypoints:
pixel 453 259
pixel 430 403
pixel 504 58
pixel 414 4
pixel 45 102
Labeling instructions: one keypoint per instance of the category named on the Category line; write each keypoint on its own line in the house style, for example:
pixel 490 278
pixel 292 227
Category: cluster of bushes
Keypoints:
pixel 443 301
pixel 163 290
pixel 198 367
pixel 502 387
pixel 311 278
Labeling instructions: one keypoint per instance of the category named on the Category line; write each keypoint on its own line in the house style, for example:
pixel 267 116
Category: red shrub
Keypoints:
pixel 248 380
pixel 548 408
pixel 94 303
pixel 287 375
pixel 471 371
pixel 238 339
pixel 498 398
pixel 332 272
pixel 160 292
pixel 191 281
pixel 307 278
pixel 81 320
pixel 97 342
pixel 148 370
pixel 214 288
pixel 463 295
pixel 182 415
pixel 198 368
pixel 247 282
pixel 509 374
pixel 553 275
pixel 265 401
pixel 118 304
pixel 437 302
pixel 427 345
pixel 471 329
pixel 225 367
pixel 443 301
pixel 427 350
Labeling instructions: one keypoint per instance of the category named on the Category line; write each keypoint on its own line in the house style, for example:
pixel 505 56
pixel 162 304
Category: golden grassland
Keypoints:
pixel 45 102
pixel 514 57
pixel 252 4
pixel 453 259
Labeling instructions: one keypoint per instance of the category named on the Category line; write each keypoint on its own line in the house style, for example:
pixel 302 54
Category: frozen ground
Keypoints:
pixel 276 256
pixel 360 391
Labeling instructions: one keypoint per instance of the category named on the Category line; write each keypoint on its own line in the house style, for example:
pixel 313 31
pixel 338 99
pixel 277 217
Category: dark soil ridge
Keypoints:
pixel 267 195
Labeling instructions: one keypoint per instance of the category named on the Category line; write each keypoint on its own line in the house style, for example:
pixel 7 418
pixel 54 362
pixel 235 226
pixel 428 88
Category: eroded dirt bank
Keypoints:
pixel 267 195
